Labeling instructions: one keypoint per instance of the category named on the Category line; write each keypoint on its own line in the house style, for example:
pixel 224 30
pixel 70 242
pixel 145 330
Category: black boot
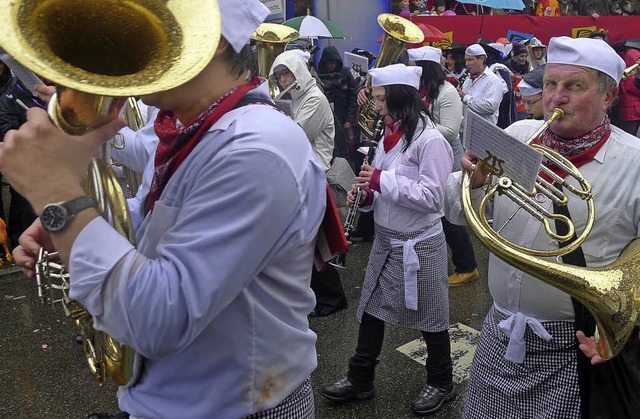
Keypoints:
pixel 121 415
pixel 343 391
pixel 430 399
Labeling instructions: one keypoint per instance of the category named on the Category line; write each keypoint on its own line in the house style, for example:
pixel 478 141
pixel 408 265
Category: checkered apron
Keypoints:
pixel 298 405
pixel 383 291
pixel 545 385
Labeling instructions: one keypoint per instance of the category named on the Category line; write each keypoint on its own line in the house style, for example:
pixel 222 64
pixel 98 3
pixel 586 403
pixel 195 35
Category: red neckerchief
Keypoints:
pixel 392 135
pixel 579 150
pixel 177 142
pixel 473 77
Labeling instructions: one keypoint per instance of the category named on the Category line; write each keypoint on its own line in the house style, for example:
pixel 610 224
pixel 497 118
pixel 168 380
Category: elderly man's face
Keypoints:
pixel 475 64
pixel 574 89
pixel 533 105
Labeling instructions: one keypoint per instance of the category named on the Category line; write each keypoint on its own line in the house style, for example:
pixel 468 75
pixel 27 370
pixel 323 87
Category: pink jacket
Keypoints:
pixel 629 105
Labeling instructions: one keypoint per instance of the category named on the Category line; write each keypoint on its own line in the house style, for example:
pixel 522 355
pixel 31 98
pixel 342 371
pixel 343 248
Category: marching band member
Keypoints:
pixel 526 363
pixel 219 282
pixel 406 279
pixel 446 111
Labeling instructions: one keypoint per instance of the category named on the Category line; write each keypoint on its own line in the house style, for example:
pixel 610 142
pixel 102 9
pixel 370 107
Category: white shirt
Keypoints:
pixel 613 176
pixel 483 95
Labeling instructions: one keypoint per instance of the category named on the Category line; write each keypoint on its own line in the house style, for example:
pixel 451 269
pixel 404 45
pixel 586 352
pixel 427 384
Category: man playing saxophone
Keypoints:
pixel 527 363
pixel 219 282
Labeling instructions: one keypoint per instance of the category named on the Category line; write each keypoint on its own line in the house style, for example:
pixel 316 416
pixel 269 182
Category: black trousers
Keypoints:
pixel 370 336
pixel 327 287
pixel 459 242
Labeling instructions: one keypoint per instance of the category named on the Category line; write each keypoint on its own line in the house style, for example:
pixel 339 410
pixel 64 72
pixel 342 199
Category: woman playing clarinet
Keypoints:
pixel 406 281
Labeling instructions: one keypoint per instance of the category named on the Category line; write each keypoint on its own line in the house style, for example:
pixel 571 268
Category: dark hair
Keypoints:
pixel 432 77
pixel 243 61
pixel 460 62
pixel 403 102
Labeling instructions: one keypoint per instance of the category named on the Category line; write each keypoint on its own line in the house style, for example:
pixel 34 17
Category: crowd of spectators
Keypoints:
pixel 594 8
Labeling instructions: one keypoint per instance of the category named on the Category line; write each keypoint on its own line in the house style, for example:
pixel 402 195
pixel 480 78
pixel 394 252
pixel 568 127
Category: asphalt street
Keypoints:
pixel 43 372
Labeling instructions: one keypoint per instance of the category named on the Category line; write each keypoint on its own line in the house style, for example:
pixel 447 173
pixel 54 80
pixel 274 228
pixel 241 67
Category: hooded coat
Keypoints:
pixel 311 109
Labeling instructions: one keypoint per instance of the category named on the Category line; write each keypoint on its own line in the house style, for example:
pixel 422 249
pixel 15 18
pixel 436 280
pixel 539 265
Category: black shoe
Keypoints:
pixel 356 234
pixel 79 341
pixel 432 398
pixel 121 415
pixel 325 311
pixel 343 391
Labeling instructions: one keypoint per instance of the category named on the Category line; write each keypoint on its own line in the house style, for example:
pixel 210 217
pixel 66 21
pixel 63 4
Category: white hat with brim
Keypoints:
pixel 586 52
pixel 475 49
pixel 240 20
pixel 528 90
pixel 396 74
pixel 425 53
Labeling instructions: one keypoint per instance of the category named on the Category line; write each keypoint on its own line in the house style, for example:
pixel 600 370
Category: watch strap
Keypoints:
pixel 78 204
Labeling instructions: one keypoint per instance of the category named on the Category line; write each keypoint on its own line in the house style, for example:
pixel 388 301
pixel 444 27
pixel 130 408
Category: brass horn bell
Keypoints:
pixel 109 49
pixel 99 53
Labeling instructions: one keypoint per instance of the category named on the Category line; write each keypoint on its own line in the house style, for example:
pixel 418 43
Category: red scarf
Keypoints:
pixel 392 135
pixel 579 150
pixel 475 76
pixel 177 142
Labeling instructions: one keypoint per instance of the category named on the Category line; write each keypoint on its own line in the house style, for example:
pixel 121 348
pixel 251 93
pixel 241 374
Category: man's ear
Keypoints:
pixel 222 47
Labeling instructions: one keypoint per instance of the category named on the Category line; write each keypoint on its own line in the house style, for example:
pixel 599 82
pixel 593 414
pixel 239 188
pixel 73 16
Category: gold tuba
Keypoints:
pixel 398 33
pixel 271 40
pixel 99 54
pixel 611 293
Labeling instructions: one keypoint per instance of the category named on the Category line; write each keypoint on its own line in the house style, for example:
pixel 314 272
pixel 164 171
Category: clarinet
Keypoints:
pixel 349 223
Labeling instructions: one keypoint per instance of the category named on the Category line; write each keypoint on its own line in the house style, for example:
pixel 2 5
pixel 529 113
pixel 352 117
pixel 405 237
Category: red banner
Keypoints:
pixel 468 29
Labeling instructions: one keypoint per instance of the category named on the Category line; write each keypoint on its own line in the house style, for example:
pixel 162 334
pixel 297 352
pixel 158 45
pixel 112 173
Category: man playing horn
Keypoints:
pixel 219 283
pixel 527 363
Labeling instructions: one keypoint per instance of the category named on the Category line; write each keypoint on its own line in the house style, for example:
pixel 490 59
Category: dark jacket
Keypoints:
pixel 339 86
pixel 12 113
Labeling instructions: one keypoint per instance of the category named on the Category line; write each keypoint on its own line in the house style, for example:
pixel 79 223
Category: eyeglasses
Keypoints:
pixel 531 102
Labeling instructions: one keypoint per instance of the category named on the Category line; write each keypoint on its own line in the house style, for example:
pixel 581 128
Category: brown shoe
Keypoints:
pixel 462 278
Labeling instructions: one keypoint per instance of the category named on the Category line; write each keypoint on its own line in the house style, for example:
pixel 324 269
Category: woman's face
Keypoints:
pixel 380 103
pixel 537 52
pixel 404 3
pixel 451 62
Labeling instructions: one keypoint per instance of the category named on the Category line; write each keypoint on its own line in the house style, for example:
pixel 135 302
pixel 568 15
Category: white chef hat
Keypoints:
pixel 425 53
pixel 528 90
pixel 586 52
pixel 475 49
pixel 396 74
pixel 240 20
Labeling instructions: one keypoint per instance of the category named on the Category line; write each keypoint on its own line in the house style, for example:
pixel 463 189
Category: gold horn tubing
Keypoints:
pixel 522 198
pixel 609 292
pixel 630 71
pixel 398 33
pixel 555 115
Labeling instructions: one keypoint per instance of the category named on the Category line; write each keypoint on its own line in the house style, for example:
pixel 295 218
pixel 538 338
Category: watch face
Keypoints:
pixel 54 217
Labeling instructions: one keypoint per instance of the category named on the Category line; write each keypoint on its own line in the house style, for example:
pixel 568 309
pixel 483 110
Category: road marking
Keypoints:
pixel 463 346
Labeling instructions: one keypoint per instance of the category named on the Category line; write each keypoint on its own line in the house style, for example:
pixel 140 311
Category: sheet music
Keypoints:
pixel 26 76
pixel 520 162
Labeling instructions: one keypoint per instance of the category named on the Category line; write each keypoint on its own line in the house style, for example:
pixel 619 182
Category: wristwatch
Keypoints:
pixel 56 216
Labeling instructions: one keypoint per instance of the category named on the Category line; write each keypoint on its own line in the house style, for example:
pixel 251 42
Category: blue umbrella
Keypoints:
pixel 497 4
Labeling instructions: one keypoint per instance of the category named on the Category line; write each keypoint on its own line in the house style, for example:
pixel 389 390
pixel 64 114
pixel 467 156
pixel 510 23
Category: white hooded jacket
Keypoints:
pixel 311 109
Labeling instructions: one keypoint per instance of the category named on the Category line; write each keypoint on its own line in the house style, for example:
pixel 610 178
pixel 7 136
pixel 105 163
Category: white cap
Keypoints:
pixel 528 90
pixel 475 49
pixel 396 74
pixel 586 52
pixel 425 53
pixel 240 20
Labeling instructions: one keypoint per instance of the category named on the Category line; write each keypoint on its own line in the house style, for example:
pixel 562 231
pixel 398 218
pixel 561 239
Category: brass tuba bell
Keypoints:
pixel 398 33
pixel 271 41
pixel 100 53
pixel 611 293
